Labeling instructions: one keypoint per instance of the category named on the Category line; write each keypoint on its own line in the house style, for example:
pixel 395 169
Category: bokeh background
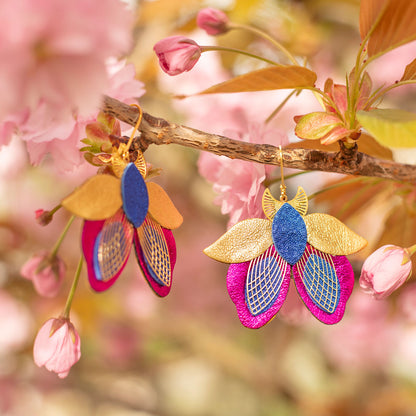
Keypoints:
pixel 188 354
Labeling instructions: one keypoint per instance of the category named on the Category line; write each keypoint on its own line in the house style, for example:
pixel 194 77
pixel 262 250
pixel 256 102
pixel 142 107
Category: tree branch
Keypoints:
pixel 159 131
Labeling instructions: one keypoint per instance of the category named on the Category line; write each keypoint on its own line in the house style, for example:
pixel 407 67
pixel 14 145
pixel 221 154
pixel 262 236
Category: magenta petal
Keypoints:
pixel 345 276
pixel 236 282
pixel 160 290
pixel 90 232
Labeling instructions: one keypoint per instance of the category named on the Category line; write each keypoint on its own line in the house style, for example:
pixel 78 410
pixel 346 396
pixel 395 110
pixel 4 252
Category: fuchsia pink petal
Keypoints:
pixel 345 276
pixel 236 282
pixel 90 233
pixel 160 290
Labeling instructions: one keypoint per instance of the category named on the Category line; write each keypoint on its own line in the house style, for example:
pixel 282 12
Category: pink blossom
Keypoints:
pixel 46 273
pixel 213 21
pixel 177 54
pixel 57 346
pixel 55 50
pixel 385 270
pixel 407 302
pixel 239 183
pixel 48 132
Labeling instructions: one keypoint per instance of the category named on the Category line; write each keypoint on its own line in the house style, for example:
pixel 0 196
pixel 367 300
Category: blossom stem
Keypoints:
pixel 279 107
pixel 67 309
pixel 224 49
pixel 62 236
pixel 266 36
pixel 390 87
pixel 336 185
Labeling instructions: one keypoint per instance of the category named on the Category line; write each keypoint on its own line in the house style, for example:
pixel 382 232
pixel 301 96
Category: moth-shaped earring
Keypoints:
pixel 265 253
pixel 123 210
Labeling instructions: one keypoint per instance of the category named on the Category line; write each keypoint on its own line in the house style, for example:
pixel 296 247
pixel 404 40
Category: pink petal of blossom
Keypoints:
pixel 46 274
pixel 177 54
pixel 213 21
pixel 57 346
pixel 385 270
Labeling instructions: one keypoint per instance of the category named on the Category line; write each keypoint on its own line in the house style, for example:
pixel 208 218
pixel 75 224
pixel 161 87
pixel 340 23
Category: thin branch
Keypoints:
pixel 159 131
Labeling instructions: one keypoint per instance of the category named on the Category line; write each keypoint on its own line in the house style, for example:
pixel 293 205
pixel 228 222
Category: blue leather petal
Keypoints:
pixel 134 195
pixel 289 233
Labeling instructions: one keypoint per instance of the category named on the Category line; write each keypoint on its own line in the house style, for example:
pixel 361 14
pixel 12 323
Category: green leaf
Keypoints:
pixel 272 78
pixel 390 127
pixel 314 126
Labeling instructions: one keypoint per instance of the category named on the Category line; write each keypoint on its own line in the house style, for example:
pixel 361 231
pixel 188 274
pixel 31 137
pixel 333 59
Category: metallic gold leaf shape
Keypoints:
pixel 119 163
pixel 270 204
pixel 243 242
pixel 161 207
pixel 300 201
pixel 96 199
pixel 329 235
pixel 155 251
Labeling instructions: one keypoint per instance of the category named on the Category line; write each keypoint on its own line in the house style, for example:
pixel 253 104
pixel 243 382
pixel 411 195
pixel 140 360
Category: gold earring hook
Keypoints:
pixel 283 196
pixel 123 150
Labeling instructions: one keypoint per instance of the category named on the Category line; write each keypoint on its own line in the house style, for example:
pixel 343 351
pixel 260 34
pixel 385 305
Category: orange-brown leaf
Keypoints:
pixel 410 71
pixel 397 24
pixel 271 78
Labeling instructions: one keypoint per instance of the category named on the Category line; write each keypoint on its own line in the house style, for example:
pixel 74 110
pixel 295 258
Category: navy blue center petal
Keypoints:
pixel 134 194
pixel 289 233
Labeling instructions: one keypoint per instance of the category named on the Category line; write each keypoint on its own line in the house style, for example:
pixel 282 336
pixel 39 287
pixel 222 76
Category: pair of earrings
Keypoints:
pixel 123 210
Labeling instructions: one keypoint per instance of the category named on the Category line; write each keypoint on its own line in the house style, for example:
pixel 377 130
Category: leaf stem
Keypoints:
pixel 62 236
pixel 336 185
pixel 279 107
pixel 225 49
pixel 266 36
pixel 67 309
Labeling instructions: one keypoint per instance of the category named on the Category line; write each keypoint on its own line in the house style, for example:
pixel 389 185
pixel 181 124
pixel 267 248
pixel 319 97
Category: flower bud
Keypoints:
pixel 57 346
pixel 385 270
pixel 43 217
pixel 177 54
pixel 213 21
pixel 46 273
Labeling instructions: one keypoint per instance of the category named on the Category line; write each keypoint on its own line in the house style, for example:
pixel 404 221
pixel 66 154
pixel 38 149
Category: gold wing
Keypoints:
pixel 271 205
pixel 329 235
pixel 96 199
pixel 243 242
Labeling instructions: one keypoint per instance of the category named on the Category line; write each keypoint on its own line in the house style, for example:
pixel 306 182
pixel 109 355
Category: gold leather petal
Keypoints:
pixel 329 235
pixel 96 199
pixel 243 242
pixel 161 207
pixel 300 201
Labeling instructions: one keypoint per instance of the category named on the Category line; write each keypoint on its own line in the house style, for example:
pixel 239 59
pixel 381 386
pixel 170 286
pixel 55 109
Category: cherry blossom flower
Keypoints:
pixel 239 183
pixel 51 47
pixel 385 270
pixel 57 346
pixel 213 21
pixel 177 54
pixel 46 273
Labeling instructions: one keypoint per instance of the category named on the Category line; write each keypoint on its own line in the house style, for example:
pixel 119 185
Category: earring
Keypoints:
pixel 265 253
pixel 123 210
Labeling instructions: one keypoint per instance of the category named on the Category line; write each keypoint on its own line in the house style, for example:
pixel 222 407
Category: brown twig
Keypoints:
pixel 159 131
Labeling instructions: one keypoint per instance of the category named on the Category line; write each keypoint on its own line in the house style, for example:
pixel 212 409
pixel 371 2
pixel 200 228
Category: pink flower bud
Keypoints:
pixel 385 270
pixel 57 346
pixel 177 54
pixel 43 217
pixel 213 21
pixel 45 272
